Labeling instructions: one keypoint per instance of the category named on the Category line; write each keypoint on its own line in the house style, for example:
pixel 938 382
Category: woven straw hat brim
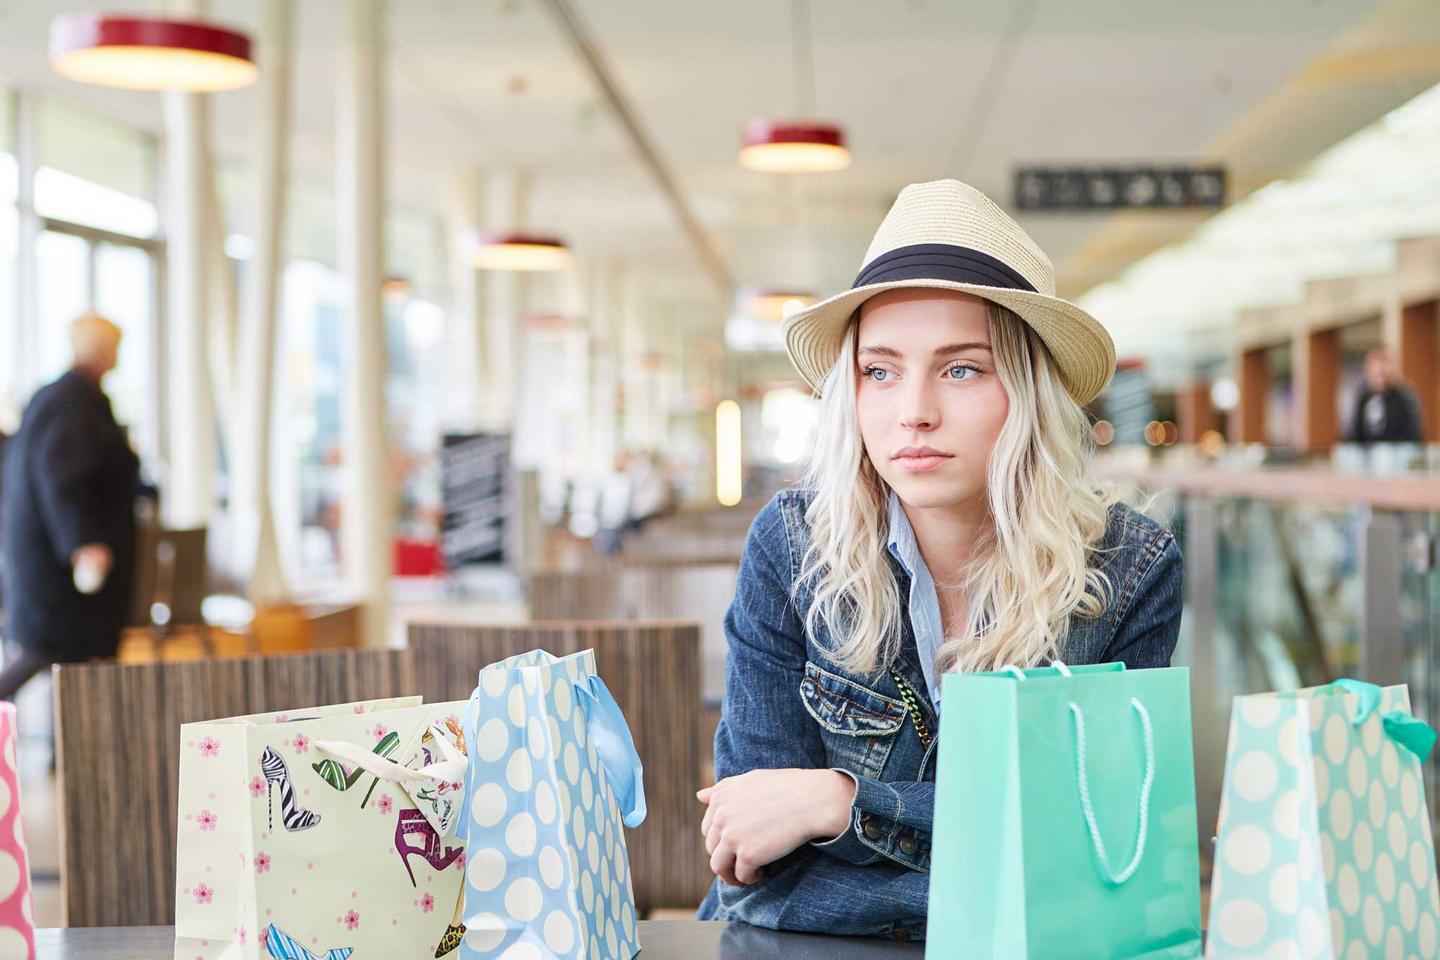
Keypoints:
pixel 1081 347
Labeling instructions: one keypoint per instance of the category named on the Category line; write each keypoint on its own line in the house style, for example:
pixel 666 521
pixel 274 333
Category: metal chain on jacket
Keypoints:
pixel 912 704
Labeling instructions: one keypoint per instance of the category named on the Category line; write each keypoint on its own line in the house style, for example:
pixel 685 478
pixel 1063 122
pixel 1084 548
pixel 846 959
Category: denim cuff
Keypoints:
pixel 847 845
pixel 875 830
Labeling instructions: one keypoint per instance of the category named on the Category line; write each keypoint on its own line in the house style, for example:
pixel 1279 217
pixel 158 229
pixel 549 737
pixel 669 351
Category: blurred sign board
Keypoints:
pixel 1119 188
pixel 1129 405
pixel 474 482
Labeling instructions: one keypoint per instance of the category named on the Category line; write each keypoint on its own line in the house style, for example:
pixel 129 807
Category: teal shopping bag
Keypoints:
pixel 1065 816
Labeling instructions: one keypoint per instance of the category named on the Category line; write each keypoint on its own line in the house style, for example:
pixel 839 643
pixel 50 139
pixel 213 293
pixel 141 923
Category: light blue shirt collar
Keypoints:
pixel 924 601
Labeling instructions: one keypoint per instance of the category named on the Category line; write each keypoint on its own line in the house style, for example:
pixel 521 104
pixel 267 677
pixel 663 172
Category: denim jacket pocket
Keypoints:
pixel 858 725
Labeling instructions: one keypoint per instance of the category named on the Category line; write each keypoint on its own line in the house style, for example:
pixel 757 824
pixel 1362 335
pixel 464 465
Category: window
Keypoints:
pixel 125 293
pixel 94 171
pixel 307 491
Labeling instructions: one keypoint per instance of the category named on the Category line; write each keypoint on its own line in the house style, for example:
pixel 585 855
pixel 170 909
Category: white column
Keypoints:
pixel 633 378
pixel 222 336
pixel 506 197
pixel 190 480
pixel 663 339
pixel 605 308
pixel 467 369
pixel 367 506
pixel 27 262
pixel 257 551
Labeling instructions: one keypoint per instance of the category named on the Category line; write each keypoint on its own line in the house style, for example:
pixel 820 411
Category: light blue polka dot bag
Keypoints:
pixel 552 781
pixel 1324 848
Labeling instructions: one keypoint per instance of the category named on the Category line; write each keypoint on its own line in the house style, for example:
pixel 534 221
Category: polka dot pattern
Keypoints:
pixel 17 935
pixel 553 878
pixel 1324 846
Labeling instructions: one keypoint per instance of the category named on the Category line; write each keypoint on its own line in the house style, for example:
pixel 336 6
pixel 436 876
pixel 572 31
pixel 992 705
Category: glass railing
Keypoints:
pixel 1296 575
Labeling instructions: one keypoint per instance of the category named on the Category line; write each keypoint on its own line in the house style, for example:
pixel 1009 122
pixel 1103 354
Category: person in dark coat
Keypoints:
pixel 67 520
pixel 1386 410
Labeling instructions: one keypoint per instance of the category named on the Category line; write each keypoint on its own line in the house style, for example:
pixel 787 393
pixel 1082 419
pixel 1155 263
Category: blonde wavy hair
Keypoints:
pixel 1023 581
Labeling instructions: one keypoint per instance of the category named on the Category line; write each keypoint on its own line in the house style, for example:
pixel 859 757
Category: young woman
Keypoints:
pixel 946 523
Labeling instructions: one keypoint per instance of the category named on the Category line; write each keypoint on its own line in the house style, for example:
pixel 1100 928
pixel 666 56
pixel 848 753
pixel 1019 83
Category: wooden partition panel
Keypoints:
pixel 653 591
pixel 118 760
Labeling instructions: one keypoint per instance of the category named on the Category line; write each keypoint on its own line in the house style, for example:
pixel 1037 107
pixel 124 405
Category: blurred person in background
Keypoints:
pixel 67 520
pixel 1386 410
pixel 612 511
pixel 636 491
pixel 650 493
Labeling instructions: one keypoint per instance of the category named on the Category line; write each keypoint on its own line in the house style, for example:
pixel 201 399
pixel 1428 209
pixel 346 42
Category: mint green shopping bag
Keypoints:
pixel 1065 816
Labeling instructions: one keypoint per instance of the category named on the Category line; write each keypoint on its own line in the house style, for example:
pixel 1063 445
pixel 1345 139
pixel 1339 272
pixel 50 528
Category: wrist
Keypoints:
pixel 837 800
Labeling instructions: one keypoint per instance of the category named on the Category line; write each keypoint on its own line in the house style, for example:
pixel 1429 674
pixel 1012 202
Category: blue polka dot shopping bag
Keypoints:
pixel 1324 848
pixel 1065 817
pixel 553 780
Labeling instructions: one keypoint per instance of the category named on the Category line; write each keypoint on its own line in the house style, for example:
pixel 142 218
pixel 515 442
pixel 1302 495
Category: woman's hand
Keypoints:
pixel 758 817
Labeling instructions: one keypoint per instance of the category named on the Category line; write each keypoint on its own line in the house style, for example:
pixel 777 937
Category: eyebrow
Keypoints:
pixel 940 352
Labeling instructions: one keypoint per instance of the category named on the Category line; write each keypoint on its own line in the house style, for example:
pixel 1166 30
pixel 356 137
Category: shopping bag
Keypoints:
pixel 553 780
pixel 1065 816
pixel 298 836
pixel 1324 847
pixel 17 918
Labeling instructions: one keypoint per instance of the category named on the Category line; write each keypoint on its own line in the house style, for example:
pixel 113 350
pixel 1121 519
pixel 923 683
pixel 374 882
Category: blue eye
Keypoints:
pixel 962 371
pixel 876 374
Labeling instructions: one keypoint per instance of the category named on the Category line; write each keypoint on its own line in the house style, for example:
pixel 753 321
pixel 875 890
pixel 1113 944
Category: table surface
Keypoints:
pixel 661 940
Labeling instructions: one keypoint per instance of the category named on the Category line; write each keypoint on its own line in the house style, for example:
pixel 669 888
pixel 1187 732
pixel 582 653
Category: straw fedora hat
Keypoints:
pixel 947 235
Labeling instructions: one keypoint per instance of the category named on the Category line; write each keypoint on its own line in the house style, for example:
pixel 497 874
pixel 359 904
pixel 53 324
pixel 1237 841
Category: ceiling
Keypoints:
pixel 925 88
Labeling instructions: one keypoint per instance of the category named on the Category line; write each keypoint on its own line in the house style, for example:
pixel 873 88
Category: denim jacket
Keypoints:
pixel 788 705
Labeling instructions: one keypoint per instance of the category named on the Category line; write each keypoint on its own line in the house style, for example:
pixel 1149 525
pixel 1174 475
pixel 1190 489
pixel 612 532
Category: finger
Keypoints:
pixel 722 864
pixel 706 820
pixel 713 838
pixel 704 794
pixel 748 872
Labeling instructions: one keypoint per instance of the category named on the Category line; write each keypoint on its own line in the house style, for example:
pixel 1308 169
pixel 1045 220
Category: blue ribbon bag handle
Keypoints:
pixel 1410 732
pixel 610 734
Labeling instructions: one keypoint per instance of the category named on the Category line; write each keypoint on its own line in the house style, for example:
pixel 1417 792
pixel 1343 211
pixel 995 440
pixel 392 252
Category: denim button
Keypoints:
pixel 908 846
pixel 899 933
pixel 872 829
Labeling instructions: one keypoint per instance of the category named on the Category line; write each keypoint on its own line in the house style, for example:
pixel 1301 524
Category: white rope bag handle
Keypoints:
pixel 449 770
pixel 1082 778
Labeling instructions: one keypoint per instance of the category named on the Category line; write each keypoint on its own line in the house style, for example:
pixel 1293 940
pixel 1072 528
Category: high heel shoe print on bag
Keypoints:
pixel 455 933
pixel 341 779
pixel 413 821
pixel 275 770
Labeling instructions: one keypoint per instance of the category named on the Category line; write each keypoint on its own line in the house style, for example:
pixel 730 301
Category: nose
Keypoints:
pixel 918 410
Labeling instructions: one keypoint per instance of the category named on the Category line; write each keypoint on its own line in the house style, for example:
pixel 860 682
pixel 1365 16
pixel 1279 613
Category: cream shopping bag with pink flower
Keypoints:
pixel 321 832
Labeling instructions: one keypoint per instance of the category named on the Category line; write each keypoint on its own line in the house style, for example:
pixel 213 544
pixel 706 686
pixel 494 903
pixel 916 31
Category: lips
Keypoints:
pixel 919 453
pixel 920 459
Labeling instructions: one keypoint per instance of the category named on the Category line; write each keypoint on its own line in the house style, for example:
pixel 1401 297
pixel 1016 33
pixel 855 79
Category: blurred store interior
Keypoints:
pixel 445 315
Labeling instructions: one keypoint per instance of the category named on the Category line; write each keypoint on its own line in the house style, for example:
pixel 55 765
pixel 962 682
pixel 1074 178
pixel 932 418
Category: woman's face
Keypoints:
pixel 929 399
